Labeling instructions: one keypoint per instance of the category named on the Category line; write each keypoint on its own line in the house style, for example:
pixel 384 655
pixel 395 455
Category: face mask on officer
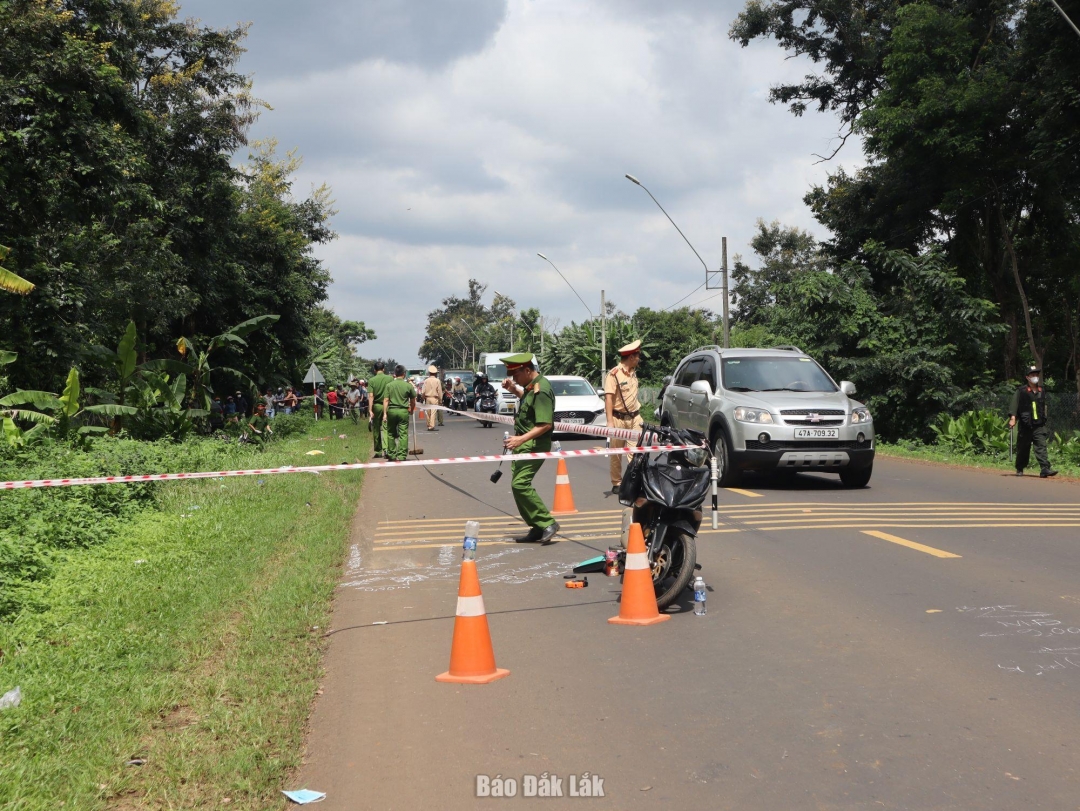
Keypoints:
pixel 1033 380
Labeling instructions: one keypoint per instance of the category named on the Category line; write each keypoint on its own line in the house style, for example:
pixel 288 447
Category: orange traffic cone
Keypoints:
pixel 638 603
pixel 564 496
pixel 420 415
pixel 472 659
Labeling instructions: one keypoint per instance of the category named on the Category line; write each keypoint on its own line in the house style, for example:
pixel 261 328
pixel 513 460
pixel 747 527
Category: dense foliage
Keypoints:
pixel 119 200
pixel 968 112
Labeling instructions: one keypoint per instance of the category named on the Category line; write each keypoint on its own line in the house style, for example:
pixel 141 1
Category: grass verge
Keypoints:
pixel 936 453
pixel 192 641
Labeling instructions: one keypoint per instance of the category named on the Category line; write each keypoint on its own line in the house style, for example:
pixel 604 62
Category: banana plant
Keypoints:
pixel 12 282
pixel 161 408
pixel 197 362
pixel 47 411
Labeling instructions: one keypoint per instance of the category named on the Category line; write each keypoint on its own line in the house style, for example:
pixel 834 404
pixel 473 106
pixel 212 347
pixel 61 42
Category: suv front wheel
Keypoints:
pixel 857 477
pixel 727 475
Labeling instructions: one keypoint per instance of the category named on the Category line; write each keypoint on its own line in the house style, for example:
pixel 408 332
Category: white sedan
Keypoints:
pixel 576 401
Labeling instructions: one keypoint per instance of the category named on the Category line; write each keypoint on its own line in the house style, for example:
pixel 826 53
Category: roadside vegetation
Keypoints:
pixel 177 624
pixel 949 261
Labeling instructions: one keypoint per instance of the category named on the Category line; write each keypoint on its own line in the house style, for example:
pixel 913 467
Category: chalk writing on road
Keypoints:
pixel 494 567
pixel 1059 642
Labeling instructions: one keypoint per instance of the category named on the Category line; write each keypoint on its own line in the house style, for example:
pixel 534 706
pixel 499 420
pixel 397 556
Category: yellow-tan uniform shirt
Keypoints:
pixel 432 394
pixel 622 384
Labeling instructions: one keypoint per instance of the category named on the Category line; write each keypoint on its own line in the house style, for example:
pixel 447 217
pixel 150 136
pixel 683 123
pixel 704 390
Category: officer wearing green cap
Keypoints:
pixel 399 399
pixel 376 395
pixel 532 429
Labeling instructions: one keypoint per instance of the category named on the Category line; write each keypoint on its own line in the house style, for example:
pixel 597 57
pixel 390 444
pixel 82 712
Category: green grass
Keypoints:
pixel 192 642
pixel 937 453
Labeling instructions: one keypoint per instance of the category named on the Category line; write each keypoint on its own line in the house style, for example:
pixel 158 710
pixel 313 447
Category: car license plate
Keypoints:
pixel 511 407
pixel 817 433
pixel 574 420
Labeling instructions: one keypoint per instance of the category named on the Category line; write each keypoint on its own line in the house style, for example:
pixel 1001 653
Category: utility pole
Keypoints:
pixel 603 337
pixel 727 336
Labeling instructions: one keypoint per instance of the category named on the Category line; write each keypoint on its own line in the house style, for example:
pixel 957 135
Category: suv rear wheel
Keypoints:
pixel 857 477
pixel 727 475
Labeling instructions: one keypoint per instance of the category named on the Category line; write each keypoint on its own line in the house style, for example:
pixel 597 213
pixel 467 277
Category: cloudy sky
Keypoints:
pixel 461 137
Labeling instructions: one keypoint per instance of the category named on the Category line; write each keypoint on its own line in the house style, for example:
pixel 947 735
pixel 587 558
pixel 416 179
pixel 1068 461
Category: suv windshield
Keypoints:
pixel 774 374
pixel 496 371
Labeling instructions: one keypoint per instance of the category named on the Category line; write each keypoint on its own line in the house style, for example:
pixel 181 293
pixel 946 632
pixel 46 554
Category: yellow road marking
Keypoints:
pixel 1026 504
pixel 747 493
pixel 873 519
pixel 856 525
pixel 489 527
pixel 938 553
pixel 387 524
pixel 392 548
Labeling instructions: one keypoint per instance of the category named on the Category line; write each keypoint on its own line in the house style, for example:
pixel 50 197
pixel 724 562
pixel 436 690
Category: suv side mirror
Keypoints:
pixel 847 387
pixel 701 387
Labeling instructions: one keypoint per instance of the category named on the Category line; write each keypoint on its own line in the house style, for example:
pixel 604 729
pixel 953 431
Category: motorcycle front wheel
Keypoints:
pixel 673 567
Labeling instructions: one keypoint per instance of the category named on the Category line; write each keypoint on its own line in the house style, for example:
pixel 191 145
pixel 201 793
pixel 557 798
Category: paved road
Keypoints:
pixel 913 645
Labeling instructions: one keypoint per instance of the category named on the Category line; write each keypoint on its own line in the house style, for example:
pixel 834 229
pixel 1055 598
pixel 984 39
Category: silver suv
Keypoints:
pixel 771 409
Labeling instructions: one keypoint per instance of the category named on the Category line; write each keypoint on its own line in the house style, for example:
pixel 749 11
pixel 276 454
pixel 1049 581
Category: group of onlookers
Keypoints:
pixel 337 402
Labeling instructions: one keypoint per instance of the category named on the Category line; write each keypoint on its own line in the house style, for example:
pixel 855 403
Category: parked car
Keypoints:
pixel 576 401
pixel 771 409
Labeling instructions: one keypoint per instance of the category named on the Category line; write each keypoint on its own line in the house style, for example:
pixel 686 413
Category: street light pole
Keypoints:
pixel 603 338
pixel 637 182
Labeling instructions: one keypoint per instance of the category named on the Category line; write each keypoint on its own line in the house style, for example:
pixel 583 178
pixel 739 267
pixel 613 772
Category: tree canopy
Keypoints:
pixel 119 199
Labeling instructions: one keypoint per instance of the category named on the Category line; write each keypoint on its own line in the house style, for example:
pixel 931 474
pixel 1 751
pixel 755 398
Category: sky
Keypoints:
pixel 462 137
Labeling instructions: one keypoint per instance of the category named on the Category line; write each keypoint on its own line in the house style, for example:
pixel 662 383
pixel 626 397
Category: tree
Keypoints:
pixel 118 197
pixel 968 115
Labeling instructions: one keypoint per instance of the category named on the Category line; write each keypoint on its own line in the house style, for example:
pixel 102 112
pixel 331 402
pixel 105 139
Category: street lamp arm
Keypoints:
pixel 567 284
pixel 637 182
pixel 1066 16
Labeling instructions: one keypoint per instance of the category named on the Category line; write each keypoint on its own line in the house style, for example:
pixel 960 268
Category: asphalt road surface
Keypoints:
pixel 912 645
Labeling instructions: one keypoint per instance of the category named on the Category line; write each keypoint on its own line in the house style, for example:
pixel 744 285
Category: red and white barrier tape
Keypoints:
pixel 632 434
pixel 457 460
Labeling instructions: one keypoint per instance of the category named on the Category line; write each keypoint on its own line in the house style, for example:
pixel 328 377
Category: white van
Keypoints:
pixel 491 364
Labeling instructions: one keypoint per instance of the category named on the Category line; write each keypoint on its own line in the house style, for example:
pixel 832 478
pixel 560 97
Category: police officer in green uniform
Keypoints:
pixel 532 429
pixel 1029 409
pixel 399 399
pixel 376 393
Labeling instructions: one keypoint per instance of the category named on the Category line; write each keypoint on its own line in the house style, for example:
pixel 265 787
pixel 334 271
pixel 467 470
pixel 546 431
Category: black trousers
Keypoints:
pixel 1025 438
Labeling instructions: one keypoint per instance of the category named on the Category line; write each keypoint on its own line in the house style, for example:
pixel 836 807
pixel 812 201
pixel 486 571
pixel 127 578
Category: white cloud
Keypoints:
pixel 520 144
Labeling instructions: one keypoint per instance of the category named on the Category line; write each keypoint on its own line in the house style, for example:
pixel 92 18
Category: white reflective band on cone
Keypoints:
pixel 470 606
pixel 562 480
pixel 637 560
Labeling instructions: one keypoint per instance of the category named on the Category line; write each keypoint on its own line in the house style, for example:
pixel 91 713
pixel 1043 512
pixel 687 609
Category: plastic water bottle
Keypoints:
pixel 472 535
pixel 700 595
pixel 556 446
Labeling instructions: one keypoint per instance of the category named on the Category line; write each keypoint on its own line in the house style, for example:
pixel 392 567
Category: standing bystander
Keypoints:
pixel 432 394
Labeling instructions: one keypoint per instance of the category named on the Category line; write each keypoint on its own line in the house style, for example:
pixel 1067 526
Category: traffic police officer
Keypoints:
pixel 376 395
pixel 432 391
pixel 399 399
pixel 532 428
pixel 621 404
pixel 1029 408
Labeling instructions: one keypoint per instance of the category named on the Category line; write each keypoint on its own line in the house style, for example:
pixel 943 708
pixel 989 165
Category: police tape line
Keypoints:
pixel 453 460
pixel 632 434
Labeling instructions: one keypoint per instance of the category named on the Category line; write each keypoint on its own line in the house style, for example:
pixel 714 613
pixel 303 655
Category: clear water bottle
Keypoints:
pixel 556 446
pixel 472 535
pixel 701 593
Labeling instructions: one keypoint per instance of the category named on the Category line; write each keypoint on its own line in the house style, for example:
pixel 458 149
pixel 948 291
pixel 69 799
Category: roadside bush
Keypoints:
pixel 1067 447
pixel 973 432
pixel 38 525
